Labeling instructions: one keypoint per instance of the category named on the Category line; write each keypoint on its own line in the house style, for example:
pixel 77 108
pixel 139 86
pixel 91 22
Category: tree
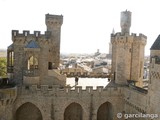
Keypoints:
pixel 3 67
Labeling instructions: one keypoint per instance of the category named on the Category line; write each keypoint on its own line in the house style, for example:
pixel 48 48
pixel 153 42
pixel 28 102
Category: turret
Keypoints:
pixel 125 22
pixel 53 23
pixel 33 56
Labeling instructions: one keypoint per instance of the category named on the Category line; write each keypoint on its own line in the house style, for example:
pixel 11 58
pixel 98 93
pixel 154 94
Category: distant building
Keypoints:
pixel 97 53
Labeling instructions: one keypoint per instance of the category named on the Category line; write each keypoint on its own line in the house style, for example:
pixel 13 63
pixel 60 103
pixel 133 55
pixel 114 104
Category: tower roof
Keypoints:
pixel 156 44
pixel 32 44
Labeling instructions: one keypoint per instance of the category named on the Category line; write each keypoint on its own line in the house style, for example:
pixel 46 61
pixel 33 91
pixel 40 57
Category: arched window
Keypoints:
pixel 11 54
pixel 32 63
pixel 10 61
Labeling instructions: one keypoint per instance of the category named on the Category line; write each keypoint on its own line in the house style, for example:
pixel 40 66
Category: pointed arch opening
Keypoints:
pixel 105 112
pixel 28 111
pixel 73 112
pixel 10 61
pixel 32 63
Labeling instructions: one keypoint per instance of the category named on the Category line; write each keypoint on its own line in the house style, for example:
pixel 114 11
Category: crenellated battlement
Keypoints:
pixel 54 20
pixel 26 33
pixel 126 38
pixel 119 34
pixel 140 35
pixel 54 89
pixel 121 38
pixel 139 38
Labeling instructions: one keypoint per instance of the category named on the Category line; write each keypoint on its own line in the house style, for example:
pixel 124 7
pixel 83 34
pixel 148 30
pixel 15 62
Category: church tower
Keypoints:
pixel 127 53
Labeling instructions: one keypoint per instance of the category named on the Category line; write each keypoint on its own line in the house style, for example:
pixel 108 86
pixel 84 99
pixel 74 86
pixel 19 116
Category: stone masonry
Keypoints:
pixel 40 92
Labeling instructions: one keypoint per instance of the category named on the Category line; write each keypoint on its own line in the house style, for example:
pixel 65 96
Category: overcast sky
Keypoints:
pixel 87 24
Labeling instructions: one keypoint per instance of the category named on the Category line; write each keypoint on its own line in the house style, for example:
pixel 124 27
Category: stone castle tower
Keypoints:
pixel 53 23
pixel 34 58
pixel 39 95
pixel 127 53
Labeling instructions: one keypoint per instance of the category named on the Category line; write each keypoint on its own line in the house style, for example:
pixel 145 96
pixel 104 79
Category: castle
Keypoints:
pixel 40 92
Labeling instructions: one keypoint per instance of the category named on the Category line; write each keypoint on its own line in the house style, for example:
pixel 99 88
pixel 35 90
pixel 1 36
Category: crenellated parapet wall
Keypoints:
pixel 55 100
pixel 119 34
pixel 8 96
pixel 139 39
pixel 68 91
pixel 119 38
pixel 140 35
pixel 27 35
pixel 53 21
pixel 126 38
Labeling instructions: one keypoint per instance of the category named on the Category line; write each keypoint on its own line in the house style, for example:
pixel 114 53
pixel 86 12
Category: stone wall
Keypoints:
pixel 22 54
pixel 128 57
pixel 154 83
pixel 7 99
pixel 135 101
pixel 52 101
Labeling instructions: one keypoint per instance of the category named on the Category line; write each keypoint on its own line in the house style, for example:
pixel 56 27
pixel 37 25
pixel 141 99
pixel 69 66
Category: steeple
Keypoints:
pixel 113 32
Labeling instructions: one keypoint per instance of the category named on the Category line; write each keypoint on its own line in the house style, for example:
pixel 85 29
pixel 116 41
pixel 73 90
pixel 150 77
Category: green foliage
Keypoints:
pixel 3 67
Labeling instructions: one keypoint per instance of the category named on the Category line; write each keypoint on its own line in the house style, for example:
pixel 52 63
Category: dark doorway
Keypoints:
pixel 73 112
pixel 28 111
pixel 49 65
pixel 105 112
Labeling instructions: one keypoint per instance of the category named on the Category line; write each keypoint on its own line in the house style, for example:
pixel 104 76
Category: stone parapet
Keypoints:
pixel 68 91
pixel 56 20
pixel 26 33
pixel 8 95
